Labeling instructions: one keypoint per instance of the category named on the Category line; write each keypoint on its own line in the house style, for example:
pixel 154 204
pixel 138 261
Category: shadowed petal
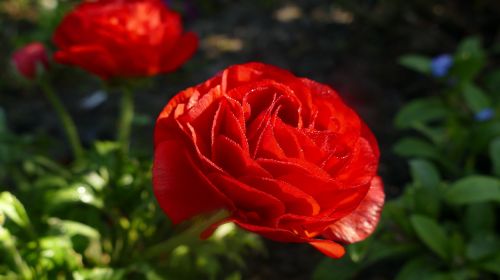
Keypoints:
pixel 363 221
pixel 181 188
pixel 94 59
pixel 329 248
pixel 182 51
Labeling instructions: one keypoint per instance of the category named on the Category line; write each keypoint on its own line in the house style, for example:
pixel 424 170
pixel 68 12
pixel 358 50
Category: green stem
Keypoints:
pixel 65 118
pixel 125 122
pixel 17 259
pixel 187 237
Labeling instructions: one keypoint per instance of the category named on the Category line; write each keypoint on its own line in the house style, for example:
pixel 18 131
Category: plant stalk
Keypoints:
pixel 125 122
pixel 66 120
pixel 187 237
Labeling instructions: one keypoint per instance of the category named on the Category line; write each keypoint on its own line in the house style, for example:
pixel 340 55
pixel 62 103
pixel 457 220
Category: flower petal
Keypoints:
pixel 252 204
pixel 363 221
pixel 329 248
pixel 182 190
pixel 94 59
pixel 182 51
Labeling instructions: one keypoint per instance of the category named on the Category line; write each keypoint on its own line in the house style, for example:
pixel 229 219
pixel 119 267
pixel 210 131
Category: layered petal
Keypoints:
pixel 327 247
pixel 362 221
pixel 86 56
pixel 181 188
pixel 180 52
pixel 123 39
pixel 285 155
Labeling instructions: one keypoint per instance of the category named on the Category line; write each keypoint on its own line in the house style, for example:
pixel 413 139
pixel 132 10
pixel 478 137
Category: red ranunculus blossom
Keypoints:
pixel 284 155
pixel 123 38
pixel 28 58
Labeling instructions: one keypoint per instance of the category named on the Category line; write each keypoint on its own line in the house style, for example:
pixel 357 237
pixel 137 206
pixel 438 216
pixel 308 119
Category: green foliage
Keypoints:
pixel 431 235
pixel 474 189
pixel 415 147
pixel 418 63
pixel 342 269
pixel 444 225
pixel 13 210
pixel 494 153
pixel 469 60
pixel 98 219
pixel 475 98
pixel 425 174
pixel 420 112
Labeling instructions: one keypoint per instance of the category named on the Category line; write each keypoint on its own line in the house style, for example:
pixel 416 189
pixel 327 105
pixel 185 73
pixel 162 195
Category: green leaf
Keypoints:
pixel 72 228
pixel 470 46
pixel 426 201
pixel 207 264
pixel 474 189
pixel 380 251
pixel 492 264
pixel 100 273
pixel 495 156
pixel 58 251
pixel 77 193
pixel 429 231
pixel 50 182
pixel 147 271
pixel 234 276
pixel 12 255
pixel 479 218
pixel 482 246
pixel 106 147
pixel 417 269
pixel 437 134
pixel 469 59
pixel 394 212
pixel 14 209
pixel 420 111
pixel 475 98
pixel 342 269
pixel 414 147
pixel 457 246
pixel 457 274
pixel 417 63
pixel 425 190
pixel 424 173
pixel 51 165
pixel 96 180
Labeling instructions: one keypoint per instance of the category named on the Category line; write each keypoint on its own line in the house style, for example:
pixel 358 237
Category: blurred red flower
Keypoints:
pixel 123 38
pixel 283 154
pixel 28 58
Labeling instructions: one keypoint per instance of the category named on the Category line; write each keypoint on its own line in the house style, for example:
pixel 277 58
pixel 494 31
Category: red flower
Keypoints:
pixel 123 38
pixel 27 59
pixel 283 154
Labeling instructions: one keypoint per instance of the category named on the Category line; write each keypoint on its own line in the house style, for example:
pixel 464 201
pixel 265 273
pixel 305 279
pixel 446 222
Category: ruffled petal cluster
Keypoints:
pixel 283 154
pixel 123 38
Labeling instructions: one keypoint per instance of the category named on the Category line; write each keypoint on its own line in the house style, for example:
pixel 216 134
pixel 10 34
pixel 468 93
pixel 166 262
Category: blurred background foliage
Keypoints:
pixel 445 223
pixel 425 75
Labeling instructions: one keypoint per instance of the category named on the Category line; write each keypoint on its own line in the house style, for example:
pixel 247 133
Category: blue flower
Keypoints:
pixel 484 115
pixel 441 64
